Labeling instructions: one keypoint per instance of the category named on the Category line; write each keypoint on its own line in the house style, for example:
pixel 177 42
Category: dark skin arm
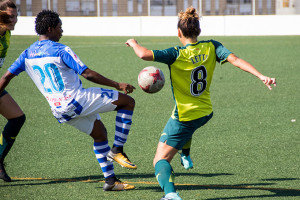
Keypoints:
pixel 101 80
pixel 88 74
pixel 5 79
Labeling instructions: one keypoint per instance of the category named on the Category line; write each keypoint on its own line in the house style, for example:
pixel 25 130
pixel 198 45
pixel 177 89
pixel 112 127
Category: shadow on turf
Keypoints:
pixel 277 192
pixel 94 179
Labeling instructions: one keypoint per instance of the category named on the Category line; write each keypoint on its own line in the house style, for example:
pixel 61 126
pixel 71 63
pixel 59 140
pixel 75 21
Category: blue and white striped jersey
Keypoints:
pixel 54 68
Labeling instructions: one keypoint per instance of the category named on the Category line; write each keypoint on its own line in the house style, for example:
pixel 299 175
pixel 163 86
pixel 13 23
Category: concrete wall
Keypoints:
pixel 167 26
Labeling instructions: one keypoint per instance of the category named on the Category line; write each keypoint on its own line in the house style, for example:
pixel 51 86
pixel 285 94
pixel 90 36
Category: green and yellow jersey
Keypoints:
pixel 191 72
pixel 4 45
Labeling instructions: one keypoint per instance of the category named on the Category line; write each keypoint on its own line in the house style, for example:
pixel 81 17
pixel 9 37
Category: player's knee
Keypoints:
pixel 131 103
pixel 13 126
pixel 155 160
pixel 99 133
pixel 19 121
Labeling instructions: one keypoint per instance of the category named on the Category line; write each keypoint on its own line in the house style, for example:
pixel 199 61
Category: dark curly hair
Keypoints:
pixel 44 20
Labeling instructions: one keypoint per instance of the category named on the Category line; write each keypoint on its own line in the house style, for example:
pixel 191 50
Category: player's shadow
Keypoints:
pixel 150 175
pixel 48 181
pixel 94 179
pixel 262 186
pixel 276 193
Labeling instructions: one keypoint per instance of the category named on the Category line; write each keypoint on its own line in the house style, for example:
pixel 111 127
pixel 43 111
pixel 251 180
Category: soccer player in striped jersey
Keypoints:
pixel 54 68
pixel 191 70
pixel 8 107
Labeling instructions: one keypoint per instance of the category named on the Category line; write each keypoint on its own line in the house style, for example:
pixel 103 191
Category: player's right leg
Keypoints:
pixel 16 118
pixel 185 157
pixel 100 100
pixel 101 149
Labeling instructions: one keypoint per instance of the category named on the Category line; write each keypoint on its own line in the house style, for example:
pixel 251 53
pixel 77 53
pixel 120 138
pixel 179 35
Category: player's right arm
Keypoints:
pixel 95 77
pixel 139 50
pixel 17 67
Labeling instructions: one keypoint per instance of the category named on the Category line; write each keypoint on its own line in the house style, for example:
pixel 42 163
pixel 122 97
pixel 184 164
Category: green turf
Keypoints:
pixel 249 150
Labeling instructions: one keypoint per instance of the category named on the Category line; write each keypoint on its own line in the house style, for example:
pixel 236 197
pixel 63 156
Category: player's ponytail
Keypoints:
pixel 189 23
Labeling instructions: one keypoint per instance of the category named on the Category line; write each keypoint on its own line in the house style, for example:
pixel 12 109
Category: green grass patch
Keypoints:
pixel 249 150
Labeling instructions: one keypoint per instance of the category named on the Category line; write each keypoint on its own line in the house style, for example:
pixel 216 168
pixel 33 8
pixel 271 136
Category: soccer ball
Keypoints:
pixel 151 79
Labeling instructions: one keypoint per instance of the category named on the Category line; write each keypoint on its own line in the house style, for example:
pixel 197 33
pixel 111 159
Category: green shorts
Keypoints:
pixel 177 133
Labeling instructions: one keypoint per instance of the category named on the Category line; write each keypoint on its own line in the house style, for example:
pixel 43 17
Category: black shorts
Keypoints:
pixel 3 93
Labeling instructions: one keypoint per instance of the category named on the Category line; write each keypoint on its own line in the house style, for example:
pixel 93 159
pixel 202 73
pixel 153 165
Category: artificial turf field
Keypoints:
pixel 249 150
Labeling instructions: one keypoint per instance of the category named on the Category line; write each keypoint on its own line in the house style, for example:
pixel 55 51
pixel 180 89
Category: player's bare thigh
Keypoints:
pixel 164 151
pixel 9 108
pixel 99 133
pixel 124 102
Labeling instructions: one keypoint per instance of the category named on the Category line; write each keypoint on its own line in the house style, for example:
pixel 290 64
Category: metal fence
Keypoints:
pixel 158 7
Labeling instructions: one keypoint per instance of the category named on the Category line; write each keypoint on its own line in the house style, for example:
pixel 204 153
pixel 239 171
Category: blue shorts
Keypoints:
pixel 177 133
pixel 3 93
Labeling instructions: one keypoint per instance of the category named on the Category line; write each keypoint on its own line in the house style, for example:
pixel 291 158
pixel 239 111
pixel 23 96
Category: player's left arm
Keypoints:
pixel 139 50
pixel 244 65
pixel 5 79
pixel 95 77
pixel 72 61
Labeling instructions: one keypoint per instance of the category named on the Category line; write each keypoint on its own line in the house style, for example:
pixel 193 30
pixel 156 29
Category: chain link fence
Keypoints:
pixel 100 8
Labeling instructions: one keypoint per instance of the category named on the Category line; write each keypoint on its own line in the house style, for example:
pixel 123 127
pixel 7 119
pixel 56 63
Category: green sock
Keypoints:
pixel 165 176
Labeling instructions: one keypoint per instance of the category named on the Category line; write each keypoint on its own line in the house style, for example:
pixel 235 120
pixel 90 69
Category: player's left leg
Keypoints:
pixel 125 106
pixel 163 170
pixel 101 149
pixel 16 118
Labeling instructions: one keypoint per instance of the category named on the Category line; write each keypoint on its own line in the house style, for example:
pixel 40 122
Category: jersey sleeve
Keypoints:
pixel 167 56
pixel 19 65
pixel 222 52
pixel 72 60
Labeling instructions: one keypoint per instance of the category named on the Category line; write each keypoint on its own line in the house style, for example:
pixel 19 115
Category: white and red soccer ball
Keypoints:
pixel 151 79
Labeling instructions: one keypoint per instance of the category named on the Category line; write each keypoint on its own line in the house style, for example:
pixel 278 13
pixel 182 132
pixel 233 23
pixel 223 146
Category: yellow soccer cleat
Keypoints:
pixel 117 186
pixel 122 159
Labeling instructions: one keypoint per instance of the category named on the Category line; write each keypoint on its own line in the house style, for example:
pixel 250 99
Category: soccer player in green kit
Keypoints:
pixel 191 70
pixel 8 107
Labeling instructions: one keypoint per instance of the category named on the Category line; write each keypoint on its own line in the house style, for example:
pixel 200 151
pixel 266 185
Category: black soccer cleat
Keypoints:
pixel 3 174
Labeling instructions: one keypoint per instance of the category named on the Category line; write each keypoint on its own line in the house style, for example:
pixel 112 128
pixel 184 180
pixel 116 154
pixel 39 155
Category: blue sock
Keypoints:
pixel 165 176
pixel 101 150
pixel 123 124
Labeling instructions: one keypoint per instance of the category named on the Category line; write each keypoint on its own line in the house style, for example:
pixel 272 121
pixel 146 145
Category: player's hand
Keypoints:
pixel 131 42
pixel 126 88
pixel 268 81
